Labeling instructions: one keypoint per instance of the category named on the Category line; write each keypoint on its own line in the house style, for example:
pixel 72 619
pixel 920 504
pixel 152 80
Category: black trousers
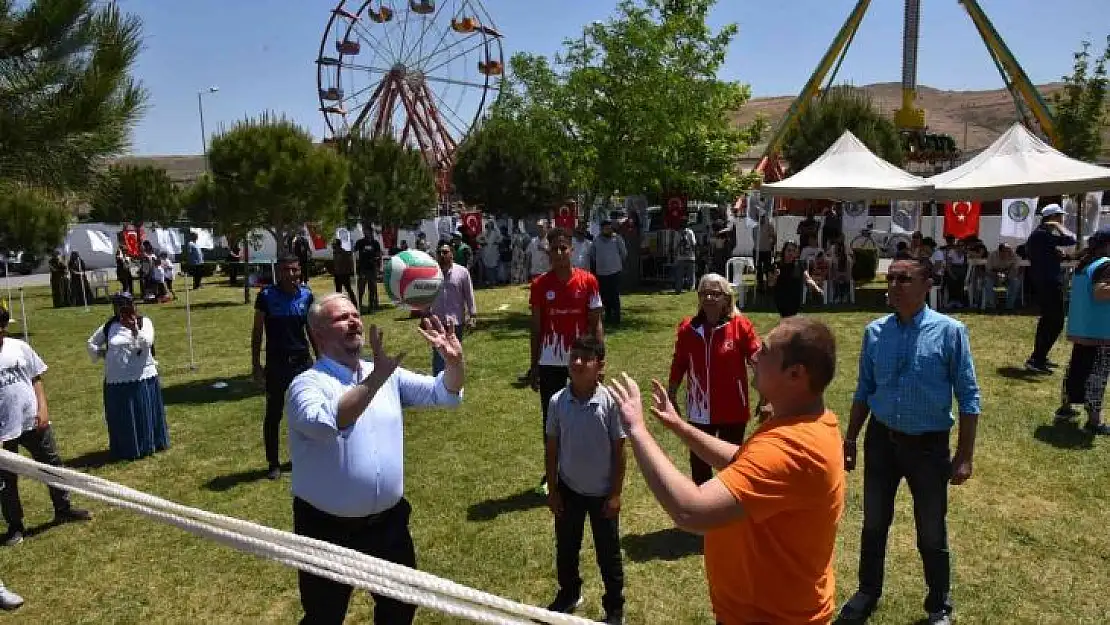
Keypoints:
pixel 552 380
pixel 1050 300
pixel 763 263
pixel 40 444
pixel 700 471
pixel 610 292
pixel 344 282
pixel 925 463
pixel 568 545
pixel 197 277
pixel 368 280
pixel 280 371
pixel 384 535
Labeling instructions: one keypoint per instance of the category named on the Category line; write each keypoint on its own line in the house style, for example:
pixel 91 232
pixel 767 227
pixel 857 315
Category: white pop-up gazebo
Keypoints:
pixel 849 171
pixel 1018 164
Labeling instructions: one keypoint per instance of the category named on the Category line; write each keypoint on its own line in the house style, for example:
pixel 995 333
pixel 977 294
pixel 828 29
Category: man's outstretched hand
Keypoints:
pixel 442 339
pixel 384 365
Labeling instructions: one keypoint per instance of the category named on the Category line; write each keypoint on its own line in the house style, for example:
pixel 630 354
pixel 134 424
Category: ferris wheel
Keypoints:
pixel 421 71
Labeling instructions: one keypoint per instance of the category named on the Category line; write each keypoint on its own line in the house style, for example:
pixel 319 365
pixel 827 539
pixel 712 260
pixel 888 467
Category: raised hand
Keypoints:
pixel 384 365
pixel 627 393
pixel 442 339
pixel 662 407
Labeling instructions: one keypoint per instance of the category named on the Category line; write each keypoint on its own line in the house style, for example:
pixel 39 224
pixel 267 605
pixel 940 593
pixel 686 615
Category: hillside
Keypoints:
pixel 980 116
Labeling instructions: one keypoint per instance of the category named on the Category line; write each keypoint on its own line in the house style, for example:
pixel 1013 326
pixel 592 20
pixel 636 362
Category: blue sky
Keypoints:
pixel 261 53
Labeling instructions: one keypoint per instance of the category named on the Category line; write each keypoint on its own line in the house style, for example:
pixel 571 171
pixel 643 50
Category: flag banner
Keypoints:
pixel 566 217
pixel 344 236
pixel 857 215
pixel 753 209
pixel 1092 209
pixel 905 217
pixel 1018 217
pixel 961 219
pixel 472 222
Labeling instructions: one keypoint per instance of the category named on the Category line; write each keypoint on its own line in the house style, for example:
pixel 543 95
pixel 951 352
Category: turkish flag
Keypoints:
pixel 566 217
pixel 389 237
pixel 675 216
pixel 131 242
pixel 961 219
pixel 318 242
pixel 472 222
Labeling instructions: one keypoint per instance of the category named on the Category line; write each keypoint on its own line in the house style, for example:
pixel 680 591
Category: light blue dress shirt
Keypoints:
pixel 908 373
pixel 359 470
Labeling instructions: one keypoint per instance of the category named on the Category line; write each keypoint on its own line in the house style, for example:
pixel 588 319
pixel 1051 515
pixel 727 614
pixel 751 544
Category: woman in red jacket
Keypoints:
pixel 712 350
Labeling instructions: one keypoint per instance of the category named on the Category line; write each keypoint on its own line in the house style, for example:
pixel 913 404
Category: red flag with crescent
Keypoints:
pixel 389 237
pixel 566 217
pixel 131 243
pixel 318 242
pixel 674 217
pixel 961 219
pixel 472 221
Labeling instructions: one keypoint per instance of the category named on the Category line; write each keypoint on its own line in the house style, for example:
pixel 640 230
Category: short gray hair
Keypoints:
pixel 316 310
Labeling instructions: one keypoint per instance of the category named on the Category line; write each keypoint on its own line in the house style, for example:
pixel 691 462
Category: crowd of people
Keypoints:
pixel 769 503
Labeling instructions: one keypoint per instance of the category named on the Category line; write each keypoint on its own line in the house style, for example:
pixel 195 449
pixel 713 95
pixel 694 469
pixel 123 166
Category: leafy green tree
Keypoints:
pixel 841 108
pixel 1082 107
pixel 198 203
pixel 135 194
pixel 502 166
pixel 66 96
pixel 33 220
pixel 390 184
pixel 266 173
pixel 635 105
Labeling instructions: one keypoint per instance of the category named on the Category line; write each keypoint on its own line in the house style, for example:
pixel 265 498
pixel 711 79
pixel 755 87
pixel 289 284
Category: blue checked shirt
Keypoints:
pixel 908 373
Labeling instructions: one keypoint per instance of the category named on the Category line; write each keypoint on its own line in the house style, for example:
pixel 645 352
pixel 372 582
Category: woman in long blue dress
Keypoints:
pixel 133 405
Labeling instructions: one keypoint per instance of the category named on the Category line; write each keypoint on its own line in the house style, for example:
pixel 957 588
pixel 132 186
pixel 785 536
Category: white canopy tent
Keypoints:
pixel 849 171
pixel 1018 164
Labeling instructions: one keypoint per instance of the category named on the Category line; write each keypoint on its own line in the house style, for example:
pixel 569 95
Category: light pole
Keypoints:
pixel 203 134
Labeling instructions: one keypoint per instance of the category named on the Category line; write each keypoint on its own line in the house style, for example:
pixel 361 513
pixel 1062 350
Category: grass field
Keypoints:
pixel 1027 532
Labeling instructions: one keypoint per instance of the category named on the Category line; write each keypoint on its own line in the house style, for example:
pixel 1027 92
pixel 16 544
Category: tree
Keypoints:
pixel 635 105
pixel 135 194
pixel 266 173
pixel 502 167
pixel 841 108
pixel 198 202
pixel 33 220
pixel 66 97
pixel 1082 107
pixel 390 185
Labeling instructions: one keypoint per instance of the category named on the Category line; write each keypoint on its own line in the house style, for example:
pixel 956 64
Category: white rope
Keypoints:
pixel 312 556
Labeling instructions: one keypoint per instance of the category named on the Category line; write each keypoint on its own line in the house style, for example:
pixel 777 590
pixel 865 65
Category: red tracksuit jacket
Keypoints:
pixel 714 363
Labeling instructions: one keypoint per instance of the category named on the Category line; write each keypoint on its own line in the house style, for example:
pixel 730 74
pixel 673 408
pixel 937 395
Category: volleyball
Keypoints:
pixel 413 279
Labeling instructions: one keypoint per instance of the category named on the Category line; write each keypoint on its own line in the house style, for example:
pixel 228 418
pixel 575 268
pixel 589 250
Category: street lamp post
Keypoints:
pixel 203 134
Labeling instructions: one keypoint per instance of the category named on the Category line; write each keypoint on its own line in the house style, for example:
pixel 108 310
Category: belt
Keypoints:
pixel 351 522
pixel 923 437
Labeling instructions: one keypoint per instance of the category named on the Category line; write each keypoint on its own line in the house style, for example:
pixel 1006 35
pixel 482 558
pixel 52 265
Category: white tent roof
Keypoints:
pixel 1019 164
pixel 849 171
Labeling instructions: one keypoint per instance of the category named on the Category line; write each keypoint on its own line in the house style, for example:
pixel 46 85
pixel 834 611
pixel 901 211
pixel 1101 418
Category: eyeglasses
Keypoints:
pixel 899 278
pixel 711 295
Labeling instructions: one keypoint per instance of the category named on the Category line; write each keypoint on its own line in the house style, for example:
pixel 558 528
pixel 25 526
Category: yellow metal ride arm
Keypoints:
pixel 1017 77
pixel 836 50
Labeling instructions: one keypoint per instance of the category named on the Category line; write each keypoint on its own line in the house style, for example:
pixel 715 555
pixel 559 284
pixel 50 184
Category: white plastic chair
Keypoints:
pixel 734 272
pixel 99 283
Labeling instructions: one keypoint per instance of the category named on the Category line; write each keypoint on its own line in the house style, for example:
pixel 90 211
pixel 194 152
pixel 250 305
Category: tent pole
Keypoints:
pixel 7 285
pixel 85 285
pixel 23 312
pixel 189 323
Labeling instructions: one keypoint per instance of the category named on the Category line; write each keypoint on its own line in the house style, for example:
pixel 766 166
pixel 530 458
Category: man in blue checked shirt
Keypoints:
pixel 911 364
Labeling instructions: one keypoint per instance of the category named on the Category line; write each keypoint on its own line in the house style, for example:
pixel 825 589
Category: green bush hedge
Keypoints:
pixel 866 265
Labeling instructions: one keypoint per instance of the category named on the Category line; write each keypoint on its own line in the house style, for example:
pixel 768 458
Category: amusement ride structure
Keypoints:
pixel 420 71
pixel 920 144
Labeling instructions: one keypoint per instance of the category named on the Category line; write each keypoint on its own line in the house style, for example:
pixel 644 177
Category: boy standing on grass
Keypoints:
pixel 771 513
pixel 585 474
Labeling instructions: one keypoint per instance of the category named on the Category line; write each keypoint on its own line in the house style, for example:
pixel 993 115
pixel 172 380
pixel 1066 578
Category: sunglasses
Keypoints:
pixel 899 278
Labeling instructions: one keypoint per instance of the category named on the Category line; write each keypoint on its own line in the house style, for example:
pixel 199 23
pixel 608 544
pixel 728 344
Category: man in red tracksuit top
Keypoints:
pixel 712 351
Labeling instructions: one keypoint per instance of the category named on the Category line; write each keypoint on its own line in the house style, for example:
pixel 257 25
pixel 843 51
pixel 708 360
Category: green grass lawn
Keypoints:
pixel 1027 532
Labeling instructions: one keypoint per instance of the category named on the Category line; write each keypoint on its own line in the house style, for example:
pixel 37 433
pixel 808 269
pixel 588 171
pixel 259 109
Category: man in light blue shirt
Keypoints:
pixel 911 364
pixel 346 441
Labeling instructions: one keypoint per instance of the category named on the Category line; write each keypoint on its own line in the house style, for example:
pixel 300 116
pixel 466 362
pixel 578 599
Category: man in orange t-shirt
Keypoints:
pixel 770 515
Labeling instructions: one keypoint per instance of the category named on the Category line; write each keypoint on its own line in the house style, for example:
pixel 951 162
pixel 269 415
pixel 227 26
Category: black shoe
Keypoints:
pixel 1051 365
pixel 614 617
pixel 274 473
pixel 1100 429
pixel 1065 414
pixel 1037 367
pixel 71 515
pixel 857 609
pixel 11 538
pixel 565 603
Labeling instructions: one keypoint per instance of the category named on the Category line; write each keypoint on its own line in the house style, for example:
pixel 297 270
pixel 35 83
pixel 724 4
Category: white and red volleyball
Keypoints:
pixel 413 279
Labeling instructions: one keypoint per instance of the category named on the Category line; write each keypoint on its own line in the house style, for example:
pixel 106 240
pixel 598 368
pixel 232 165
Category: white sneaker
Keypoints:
pixel 9 600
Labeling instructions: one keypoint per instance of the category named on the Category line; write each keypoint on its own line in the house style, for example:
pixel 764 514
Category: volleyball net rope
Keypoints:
pixel 313 556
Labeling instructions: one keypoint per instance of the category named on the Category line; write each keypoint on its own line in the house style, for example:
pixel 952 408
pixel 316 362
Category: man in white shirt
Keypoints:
pixel 25 421
pixel 537 254
pixel 581 247
pixel 346 439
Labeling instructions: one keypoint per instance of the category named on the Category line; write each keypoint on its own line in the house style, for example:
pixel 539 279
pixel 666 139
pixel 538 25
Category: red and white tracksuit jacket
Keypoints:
pixel 714 363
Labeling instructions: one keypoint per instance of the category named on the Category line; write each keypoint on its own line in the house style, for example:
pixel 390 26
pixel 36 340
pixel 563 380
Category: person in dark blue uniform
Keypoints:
pixel 281 313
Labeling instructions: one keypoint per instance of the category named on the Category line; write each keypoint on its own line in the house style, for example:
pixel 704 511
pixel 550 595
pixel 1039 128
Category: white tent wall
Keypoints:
pixel 77 241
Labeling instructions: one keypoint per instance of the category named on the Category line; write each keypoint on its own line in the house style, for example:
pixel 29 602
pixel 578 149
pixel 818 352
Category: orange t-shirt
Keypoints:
pixel 775 564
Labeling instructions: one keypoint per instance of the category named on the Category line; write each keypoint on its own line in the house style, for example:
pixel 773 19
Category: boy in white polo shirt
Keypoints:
pixel 585 474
